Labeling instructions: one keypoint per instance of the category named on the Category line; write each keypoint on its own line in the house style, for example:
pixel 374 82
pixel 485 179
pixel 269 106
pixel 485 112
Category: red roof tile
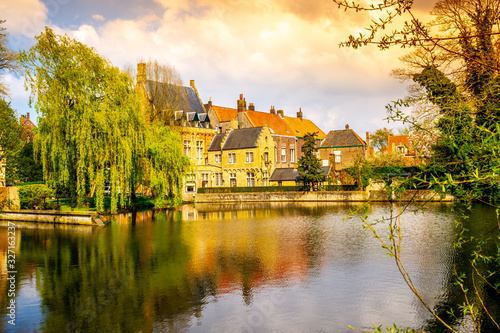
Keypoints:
pixel 301 127
pixel 225 114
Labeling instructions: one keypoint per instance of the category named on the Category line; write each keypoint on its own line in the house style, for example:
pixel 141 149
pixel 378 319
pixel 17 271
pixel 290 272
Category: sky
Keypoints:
pixel 281 53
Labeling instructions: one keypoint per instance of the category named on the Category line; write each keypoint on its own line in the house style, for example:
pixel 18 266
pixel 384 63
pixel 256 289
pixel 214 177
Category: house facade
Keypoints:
pixel 242 157
pixel 340 148
pixel 287 132
pixel 403 145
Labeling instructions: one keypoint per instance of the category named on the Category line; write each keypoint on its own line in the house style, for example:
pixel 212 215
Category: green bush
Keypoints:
pixel 34 196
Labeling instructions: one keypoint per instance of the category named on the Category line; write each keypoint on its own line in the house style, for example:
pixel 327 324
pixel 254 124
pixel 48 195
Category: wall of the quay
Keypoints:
pixel 335 196
pixel 82 218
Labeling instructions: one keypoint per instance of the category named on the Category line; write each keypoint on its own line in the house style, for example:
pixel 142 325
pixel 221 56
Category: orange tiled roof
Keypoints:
pixel 274 122
pixel 301 127
pixel 225 114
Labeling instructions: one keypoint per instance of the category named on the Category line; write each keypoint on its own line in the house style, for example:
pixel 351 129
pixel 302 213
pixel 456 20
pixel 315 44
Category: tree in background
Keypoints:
pixel 162 86
pixel 27 167
pixel 309 165
pixel 7 60
pixel 380 137
pixel 91 128
pixel 10 136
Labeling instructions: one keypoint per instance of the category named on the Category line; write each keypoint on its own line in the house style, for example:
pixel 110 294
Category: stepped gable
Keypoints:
pixel 216 142
pixel 342 138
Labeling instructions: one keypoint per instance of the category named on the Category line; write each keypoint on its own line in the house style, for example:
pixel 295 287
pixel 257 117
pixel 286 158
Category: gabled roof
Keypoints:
pixel 242 138
pixel 274 122
pixel 399 140
pixel 216 141
pixel 300 127
pixel 342 138
pixel 225 114
pixel 179 97
pixel 290 174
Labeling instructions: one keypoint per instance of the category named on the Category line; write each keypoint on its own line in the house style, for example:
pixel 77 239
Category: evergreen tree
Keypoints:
pixel 309 166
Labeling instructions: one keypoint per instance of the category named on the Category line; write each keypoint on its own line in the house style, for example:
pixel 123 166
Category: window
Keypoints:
pixel 217 158
pixel 190 182
pixel 266 157
pixel 231 158
pixel 338 159
pixel 232 179
pixel 187 147
pixel 283 155
pixel 276 153
pixel 250 157
pixel 219 180
pixel 292 154
pixel 204 180
pixel 250 179
pixel 401 149
pixel 199 150
pixel 325 162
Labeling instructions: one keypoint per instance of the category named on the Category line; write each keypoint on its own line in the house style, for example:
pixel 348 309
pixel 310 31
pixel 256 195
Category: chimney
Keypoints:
pixel 299 114
pixel 280 112
pixel 210 102
pixel 191 84
pixel 272 110
pixel 347 126
pixel 141 73
pixel 28 115
pixel 242 104
pixel 251 107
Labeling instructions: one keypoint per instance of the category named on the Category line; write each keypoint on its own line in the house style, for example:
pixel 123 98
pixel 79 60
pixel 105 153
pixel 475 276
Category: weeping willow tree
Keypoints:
pixel 91 128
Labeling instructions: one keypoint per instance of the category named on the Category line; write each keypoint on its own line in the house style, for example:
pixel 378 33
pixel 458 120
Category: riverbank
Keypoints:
pixel 335 196
pixel 56 217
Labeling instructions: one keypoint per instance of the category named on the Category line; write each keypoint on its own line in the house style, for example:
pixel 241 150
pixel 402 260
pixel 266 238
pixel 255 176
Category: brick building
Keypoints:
pixel 341 147
pixel 287 132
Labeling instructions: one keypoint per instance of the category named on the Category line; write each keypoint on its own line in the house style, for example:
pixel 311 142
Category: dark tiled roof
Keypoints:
pixel 188 102
pixel 289 174
pixel 216 141
pixel 285 174
pixel 242 138
pixel 340 138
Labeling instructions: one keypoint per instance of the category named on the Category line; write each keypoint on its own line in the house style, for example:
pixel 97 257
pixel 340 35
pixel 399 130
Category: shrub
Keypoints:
pixel 34 196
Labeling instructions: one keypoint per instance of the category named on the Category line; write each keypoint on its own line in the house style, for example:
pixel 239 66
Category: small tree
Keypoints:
pixel 309 164
pixel 379 139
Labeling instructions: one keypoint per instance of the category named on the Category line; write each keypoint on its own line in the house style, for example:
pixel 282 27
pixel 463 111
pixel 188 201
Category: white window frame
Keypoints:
pixel 250 179
pixel 199 150
pixel 292 154
pixel 283 154
pixel 231 158
pixel 218 158
pixel 249 157
pixel 338 156
pixel 187 148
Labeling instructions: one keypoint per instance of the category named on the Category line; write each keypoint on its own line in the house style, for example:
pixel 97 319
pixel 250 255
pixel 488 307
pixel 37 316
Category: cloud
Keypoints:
pixel 280 52
pixel 24 17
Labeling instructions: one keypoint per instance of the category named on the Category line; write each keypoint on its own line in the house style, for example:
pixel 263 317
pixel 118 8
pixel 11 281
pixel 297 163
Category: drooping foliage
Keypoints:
pixel 91 128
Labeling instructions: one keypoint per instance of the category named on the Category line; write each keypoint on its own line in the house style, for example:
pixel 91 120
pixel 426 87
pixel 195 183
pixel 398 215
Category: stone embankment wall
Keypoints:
pixel 337 196
pixel 82 218
pixel 9 194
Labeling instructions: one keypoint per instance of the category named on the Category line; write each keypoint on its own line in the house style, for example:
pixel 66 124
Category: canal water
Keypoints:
pixel 237 268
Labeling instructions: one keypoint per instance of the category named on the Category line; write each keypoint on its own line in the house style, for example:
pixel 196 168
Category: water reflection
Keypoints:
pixel 220 268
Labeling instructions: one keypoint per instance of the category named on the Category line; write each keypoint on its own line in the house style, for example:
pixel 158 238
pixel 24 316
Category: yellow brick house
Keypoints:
pixel 243 157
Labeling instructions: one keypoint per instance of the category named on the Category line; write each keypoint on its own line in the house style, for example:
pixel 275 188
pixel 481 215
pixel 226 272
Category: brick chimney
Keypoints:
pixel 28 115
pixel 242 104
pixel 273 111
pixel 210 102
pixel 141 73
pixel 299 114
pixel 251 107
pixel 280 112
pixel 347 126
